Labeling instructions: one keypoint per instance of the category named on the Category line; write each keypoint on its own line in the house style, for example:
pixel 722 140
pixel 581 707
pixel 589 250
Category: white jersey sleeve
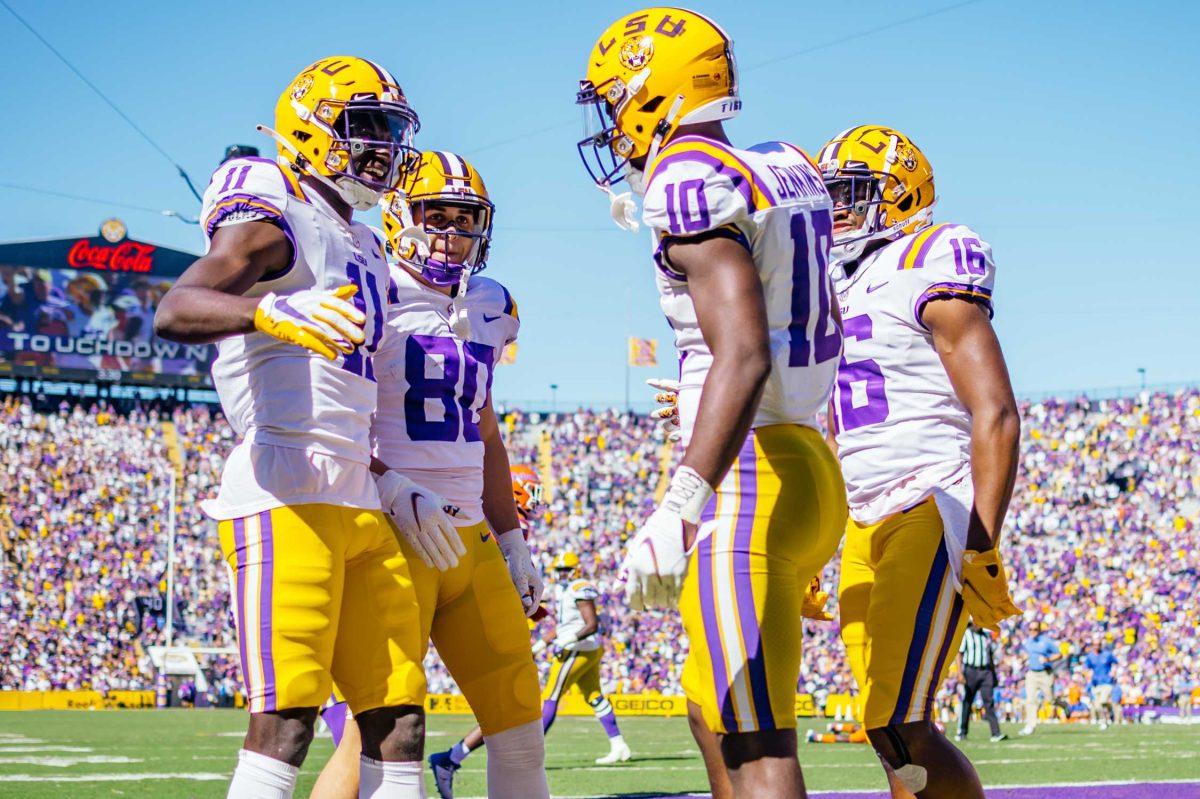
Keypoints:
pixel 946 261
pixel 247 190
pixel 692 193
pixel 493 314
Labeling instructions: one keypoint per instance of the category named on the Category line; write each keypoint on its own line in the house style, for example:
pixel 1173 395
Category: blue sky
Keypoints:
pixel 1065 133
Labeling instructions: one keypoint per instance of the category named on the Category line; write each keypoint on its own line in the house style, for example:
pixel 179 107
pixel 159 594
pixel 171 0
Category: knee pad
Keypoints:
pixel 912 776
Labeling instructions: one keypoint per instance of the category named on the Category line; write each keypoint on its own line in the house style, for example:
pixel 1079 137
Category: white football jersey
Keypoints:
pixel 570 620
pixel 304 421
pixel 432 386
pixel 901 431
pixel 771 199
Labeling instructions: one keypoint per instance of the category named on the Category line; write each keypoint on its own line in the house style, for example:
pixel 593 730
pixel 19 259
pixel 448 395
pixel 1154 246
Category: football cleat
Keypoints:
pixel 883 178
pixel 443 769
pixel 650 72
pixel 618 753
pixel 345 121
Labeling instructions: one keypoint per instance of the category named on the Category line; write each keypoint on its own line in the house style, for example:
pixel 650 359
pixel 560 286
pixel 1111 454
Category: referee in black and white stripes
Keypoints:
pixel 978 652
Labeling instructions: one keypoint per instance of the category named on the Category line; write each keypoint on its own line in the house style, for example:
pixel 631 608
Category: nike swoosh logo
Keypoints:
pixel 484 536
pixel 487 318
pixel 881 285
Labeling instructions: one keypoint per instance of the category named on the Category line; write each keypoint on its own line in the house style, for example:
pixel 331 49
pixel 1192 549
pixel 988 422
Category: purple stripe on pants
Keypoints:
pixel 756 666
pixel 955 613
pixel 922 627
pixel 335 718
pixel 264 616
pixel 712 633
pixel 239 548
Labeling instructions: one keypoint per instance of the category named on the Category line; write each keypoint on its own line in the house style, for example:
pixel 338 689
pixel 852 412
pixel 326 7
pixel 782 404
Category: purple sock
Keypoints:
pixel 549 711
pixel 609 722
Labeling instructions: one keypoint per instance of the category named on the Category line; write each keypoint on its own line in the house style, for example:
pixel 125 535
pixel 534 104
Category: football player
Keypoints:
pixel 293 291
pixel 527 494
pixel 575 644
pixel 436 430
pixel 927 432
pixel 742 238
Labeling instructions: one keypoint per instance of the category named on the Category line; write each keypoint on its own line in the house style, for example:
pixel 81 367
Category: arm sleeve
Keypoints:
pixel 947 262
pixel 246 190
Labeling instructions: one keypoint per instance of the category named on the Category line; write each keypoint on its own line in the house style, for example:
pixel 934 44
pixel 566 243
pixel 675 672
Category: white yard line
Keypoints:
pixel 65 762
pixel 197 776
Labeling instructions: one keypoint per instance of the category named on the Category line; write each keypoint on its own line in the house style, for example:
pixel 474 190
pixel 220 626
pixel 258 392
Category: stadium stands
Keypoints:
pixel 1102 541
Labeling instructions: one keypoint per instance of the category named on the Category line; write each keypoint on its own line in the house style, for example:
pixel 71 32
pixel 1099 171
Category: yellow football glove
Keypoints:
pixel 317 319
pixel 985 589
pixel 813 606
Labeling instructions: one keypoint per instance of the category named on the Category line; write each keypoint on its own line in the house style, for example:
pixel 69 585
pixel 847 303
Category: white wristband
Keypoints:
pixel 538 646
pixel 688 494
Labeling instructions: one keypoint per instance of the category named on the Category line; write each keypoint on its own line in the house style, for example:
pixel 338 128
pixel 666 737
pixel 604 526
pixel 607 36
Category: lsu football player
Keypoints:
pixel 436 430
pixel 575 644
pixel 527 494
pixel 927 434
pixel 293 291
pixel 741 240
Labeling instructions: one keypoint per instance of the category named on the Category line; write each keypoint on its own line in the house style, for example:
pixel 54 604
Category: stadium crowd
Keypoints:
pixel 1103 543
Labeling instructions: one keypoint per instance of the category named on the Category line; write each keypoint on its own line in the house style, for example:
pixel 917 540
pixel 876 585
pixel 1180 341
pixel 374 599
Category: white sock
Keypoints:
pixel 260 777
pixel 616 740
pixel 458 753
pixel 390 780
pixel 516 763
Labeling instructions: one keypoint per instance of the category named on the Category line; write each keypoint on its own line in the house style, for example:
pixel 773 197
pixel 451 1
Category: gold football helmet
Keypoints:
pixel 883 178
pixel 650 72
pixel 442 179
pixel 346 122
pixel 565 565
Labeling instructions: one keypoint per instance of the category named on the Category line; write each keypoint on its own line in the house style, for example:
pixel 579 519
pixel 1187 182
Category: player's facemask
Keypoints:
pixel 447 266
pixel 861 192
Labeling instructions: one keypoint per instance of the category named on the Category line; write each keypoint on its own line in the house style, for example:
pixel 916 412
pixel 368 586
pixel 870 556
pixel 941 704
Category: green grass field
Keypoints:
pixel 180 753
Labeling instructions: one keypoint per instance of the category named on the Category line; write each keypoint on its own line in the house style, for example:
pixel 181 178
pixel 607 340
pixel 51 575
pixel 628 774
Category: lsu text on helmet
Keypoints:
pixel 650 72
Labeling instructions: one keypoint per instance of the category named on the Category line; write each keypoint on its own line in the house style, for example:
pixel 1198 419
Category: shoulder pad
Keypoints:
pixel 245 189
pixel 584 587
pixel 490 296
pixel 697 185
pixel 947 261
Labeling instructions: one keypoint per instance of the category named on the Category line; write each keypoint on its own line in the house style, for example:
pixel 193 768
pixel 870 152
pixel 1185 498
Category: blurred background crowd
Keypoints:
pixel 1102 543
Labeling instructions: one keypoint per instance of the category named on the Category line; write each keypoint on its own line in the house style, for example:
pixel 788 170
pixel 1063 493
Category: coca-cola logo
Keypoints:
pixel 128 256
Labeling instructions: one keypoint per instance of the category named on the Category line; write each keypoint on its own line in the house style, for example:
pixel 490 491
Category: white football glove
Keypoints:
pixel 316 319
pixel 656 560
pixel 421 519
pixel 525 576
pixel 667 417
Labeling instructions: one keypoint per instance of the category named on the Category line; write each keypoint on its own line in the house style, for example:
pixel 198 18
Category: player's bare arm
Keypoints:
pixel 501 512
pixel 498 504
pixel 970 351
pixel 728 296
pixel 206 303
pixel 591 621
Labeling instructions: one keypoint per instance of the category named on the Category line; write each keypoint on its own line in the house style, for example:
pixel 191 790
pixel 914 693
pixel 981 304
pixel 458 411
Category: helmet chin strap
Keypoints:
pixel 622 207
pixel 358 195
pixel 460 322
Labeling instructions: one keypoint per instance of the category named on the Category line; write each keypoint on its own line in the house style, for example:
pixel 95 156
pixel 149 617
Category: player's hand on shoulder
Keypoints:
pixel 666 417
pixel 421 519
pixel 526 578
pixel 320 320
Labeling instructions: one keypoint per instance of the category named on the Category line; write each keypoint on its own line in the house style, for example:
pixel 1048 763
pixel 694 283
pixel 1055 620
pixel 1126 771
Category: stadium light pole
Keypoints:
pixel 1142 374
pixel 170 565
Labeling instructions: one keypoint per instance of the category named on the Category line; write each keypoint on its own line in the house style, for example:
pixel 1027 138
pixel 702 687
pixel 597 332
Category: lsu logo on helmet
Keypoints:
pixel 884 177
pixel 649 72
pixel 345 121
